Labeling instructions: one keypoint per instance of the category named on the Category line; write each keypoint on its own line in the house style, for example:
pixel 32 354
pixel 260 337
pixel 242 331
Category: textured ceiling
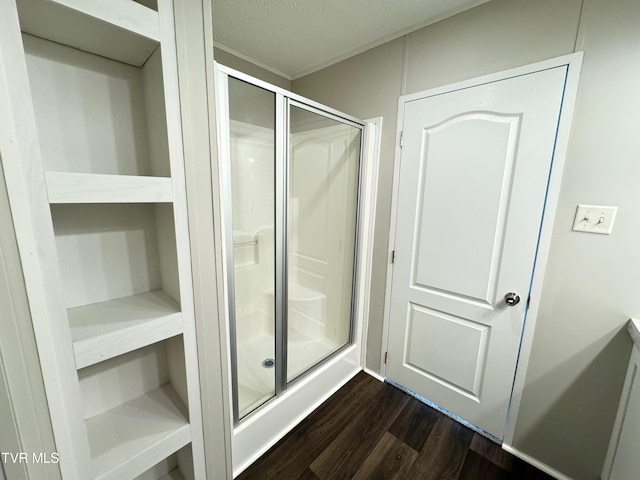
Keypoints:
pixel 296 37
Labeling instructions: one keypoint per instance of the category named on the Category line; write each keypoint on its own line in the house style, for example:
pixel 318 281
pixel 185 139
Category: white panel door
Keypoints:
pixel 473 179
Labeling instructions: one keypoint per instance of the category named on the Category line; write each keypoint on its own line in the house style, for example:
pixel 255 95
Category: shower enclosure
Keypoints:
pixel 290 189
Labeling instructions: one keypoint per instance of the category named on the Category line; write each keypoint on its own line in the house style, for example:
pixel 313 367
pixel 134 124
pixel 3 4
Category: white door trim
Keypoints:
pixel 371 159
pixel 574 64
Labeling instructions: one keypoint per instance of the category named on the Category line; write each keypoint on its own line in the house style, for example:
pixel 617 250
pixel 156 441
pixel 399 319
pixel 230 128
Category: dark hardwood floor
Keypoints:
pixel 371 430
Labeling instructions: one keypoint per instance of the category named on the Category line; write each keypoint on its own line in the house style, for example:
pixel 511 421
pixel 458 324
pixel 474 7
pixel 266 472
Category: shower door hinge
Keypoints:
pixel 386 356
pixel 401 139
pixel 393 256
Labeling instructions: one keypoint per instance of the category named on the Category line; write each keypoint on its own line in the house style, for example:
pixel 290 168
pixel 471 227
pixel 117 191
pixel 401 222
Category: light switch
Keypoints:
pixel 594 219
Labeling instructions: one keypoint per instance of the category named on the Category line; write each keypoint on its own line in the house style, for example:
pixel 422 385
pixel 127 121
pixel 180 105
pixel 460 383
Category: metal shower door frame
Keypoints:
pixel 284 100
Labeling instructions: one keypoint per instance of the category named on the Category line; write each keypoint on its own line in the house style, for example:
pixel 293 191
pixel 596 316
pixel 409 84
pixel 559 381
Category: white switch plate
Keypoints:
pixel 594 219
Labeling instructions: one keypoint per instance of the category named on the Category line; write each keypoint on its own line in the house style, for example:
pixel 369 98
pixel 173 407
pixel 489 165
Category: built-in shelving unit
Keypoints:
pixel 112 296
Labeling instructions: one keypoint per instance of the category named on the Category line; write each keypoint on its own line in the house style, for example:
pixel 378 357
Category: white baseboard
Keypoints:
pixel 534 462
pixel 375 375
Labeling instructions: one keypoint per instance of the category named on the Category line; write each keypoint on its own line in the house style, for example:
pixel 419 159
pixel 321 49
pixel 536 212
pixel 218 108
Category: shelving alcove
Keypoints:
pixel 95 174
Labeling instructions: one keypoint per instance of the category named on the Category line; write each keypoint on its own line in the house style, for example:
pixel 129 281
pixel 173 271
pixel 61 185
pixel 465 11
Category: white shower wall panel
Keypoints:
pixel 253 236
pixel 323 170
pixel 320 175
pixel 253 177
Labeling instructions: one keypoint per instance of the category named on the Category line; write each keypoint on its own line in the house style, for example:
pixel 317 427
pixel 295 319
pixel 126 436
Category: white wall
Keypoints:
pixel 592 286
pixel 580 349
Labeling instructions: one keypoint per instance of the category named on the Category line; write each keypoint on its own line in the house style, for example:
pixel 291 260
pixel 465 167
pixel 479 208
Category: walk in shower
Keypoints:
pixel 290 188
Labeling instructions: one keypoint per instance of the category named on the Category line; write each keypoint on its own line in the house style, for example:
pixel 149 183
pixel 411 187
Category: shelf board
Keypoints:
pixel 107 329
pixel 65 187
pixel 131 438
pixel 122 30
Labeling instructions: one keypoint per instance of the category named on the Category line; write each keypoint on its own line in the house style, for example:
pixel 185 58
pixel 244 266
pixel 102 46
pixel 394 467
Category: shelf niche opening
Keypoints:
pixel 96 115
pixel 178 466
pixel 110 251
pixel 135 409
pixel 122 30
pixel 152 4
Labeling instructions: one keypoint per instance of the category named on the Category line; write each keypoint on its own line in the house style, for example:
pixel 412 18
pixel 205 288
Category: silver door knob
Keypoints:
pixel 512 299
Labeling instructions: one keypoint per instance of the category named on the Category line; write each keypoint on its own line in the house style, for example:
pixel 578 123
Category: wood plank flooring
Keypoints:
pixel 370 430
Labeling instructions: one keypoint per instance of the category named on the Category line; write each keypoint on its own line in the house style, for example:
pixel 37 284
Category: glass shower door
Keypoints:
pixel 289 179
pixel 252 308
pixel 291 203
pixel 322 198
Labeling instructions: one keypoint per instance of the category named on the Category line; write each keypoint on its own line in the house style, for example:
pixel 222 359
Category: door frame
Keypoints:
pixel 573 62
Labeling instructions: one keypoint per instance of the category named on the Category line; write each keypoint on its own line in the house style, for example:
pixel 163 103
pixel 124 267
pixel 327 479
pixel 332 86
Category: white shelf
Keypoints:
pixel 107 329
pixel 131 438
pixel 122 30
pixel 65 187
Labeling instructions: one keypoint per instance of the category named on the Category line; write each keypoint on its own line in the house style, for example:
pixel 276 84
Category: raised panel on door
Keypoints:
pixel 471 194
pixel 447 349
pixel 456 153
